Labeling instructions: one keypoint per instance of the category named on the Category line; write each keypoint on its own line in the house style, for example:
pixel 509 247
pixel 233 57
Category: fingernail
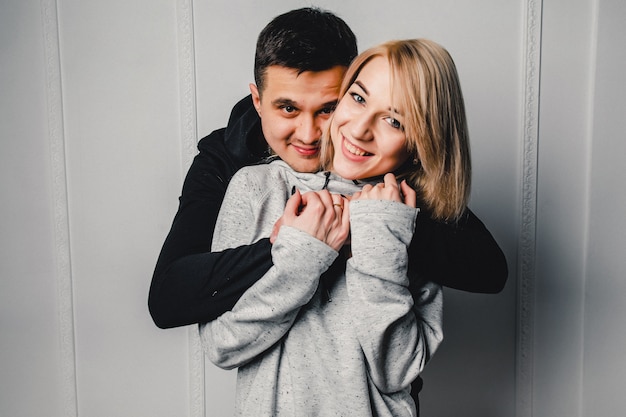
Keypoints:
pixel 293 190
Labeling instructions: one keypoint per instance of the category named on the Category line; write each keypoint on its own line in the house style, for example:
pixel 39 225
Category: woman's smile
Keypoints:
pixel 366 129
pixel 352 149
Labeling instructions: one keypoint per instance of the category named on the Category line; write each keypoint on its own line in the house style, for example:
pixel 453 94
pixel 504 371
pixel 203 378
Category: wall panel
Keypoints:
pixel 103 102
pixel 31 378
pixel 491 70
pixel 604 357
pixel 561 206
pixel 123 143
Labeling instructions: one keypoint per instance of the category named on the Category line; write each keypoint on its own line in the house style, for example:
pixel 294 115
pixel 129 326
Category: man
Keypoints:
pixel 300 59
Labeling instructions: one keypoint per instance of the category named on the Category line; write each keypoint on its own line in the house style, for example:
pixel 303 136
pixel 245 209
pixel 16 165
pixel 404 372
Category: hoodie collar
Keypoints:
pixel 244 135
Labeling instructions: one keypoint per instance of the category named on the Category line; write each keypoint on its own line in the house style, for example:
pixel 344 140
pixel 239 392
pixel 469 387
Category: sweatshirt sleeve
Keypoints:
pixel 190 283
pixel 267 310
pixel 397 331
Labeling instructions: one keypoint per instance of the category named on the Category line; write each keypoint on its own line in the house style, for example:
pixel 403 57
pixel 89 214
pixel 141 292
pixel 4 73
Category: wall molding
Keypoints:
pixel 187 82
pixel 189 139
pixel 56 137
pixel 196 374
pixel 526 251
pixel 526 255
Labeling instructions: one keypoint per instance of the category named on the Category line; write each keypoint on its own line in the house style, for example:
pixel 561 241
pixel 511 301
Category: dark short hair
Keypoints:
pixel 307 39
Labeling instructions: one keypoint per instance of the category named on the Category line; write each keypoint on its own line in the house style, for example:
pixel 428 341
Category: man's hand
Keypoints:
pixel 388 190
pixel 321 214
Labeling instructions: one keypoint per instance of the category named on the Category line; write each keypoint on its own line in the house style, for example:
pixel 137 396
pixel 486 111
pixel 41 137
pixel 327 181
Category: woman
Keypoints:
pixel 319 335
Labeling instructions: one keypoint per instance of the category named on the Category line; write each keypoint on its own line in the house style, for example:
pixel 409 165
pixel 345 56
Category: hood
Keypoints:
pixel 243 136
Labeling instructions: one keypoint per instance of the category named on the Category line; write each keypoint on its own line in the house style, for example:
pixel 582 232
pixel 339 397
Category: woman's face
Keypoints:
pixel 366 130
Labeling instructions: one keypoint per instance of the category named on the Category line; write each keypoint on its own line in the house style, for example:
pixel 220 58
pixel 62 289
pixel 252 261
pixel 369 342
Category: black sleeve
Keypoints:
pixel 462 255
pixel 190 284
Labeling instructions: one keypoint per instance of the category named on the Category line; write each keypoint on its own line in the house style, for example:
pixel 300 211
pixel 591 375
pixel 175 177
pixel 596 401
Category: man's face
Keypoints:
pixel 294 110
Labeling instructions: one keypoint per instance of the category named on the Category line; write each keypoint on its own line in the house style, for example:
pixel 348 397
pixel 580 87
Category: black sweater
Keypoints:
pixel 192 285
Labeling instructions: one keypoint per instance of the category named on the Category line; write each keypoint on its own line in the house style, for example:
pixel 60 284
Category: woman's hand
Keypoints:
pixel 321 214
pixel 388 190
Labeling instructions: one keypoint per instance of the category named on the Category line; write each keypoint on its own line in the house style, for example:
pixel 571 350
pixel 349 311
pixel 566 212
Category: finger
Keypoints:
pixel 392 186
pixel 340 204
pixel 313 204
pixel 345 216
pixel 390 180
pixel 364 193
pixel 343 230
pixel 339 231
pixel 338 201
pixel 292 208
pixel 327 198
pixel 275 230
pixel 410 196
pixel 332 202
pixel 310 198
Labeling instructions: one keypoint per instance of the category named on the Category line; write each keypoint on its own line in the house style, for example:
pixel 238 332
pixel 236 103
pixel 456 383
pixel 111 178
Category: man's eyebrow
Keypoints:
pixel 284 102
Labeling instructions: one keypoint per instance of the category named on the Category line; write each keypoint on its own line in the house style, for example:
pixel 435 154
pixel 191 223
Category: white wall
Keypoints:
pixel 604 364
pixel 101 106
pixel 563 148
pixel 29 331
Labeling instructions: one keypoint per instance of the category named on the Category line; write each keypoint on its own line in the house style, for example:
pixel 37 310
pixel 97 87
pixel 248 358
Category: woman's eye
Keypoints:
pixel 357 98
pixel 394 123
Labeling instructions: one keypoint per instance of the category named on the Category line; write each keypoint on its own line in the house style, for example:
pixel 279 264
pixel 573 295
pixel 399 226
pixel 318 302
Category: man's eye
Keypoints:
pixel 289 109
pixel 327 110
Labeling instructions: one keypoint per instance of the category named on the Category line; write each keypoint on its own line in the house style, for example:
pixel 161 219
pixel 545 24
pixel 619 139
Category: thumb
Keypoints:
pixel 275 230
pixel 410 197
pixel 292 208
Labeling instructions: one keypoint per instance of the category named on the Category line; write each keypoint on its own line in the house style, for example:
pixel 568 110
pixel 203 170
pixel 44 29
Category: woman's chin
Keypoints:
pixel 344 172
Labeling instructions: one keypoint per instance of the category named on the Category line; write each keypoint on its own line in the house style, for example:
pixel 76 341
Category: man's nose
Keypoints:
pixel 309 129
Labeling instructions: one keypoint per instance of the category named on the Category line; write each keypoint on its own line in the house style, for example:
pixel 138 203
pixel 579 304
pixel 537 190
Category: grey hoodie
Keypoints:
pixel 349 346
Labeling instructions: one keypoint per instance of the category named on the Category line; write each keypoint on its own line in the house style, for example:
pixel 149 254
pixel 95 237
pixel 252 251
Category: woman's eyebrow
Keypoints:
pixel 360 84
pixel 391 109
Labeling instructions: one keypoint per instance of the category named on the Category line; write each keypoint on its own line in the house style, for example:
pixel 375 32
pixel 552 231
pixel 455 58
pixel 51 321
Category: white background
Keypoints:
pixel 102 102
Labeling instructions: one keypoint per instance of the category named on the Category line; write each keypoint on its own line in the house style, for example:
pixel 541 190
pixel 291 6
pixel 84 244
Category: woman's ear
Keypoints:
pixel 256 98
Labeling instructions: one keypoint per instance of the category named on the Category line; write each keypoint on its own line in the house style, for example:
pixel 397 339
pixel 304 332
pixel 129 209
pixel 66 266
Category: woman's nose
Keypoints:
pixel 361 127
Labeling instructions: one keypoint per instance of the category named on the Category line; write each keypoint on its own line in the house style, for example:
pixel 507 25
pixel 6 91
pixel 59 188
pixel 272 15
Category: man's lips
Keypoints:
pixel 306 151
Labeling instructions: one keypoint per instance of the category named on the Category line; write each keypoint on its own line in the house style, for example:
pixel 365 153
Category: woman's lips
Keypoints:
pixel 354 152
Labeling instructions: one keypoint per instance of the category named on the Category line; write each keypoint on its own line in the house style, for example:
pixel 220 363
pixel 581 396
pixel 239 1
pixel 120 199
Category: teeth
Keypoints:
pixel 354 150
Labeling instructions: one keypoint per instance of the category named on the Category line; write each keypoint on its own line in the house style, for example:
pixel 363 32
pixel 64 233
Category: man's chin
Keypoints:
pixel 305 164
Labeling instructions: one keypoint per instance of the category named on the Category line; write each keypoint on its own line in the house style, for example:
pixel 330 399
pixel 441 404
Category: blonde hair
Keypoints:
pixel 426 85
